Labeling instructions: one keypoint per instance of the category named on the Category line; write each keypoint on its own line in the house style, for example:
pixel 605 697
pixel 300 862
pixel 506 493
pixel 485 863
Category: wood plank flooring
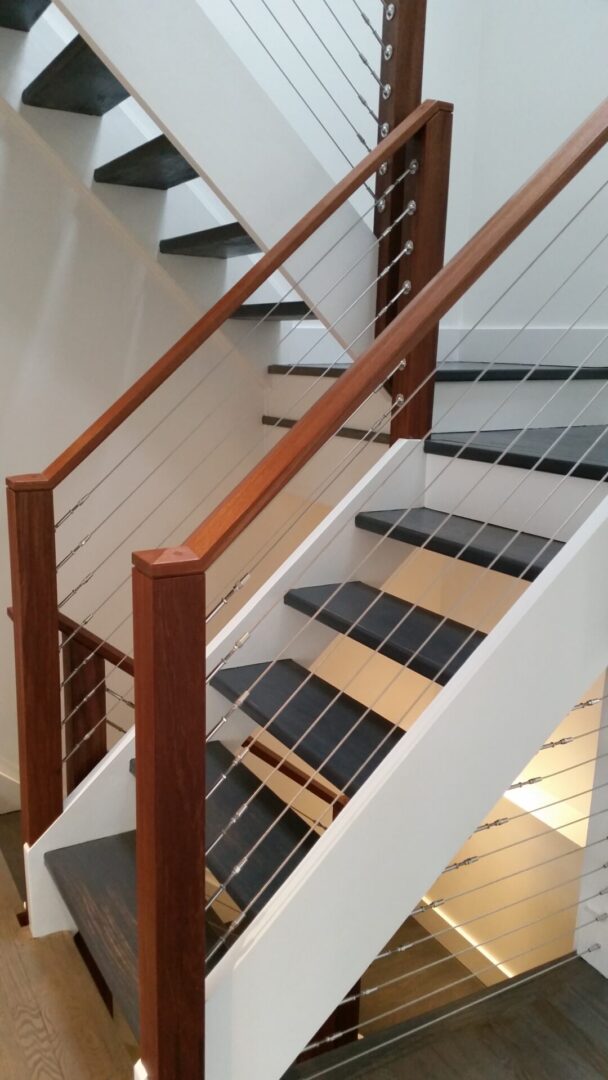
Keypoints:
pixel 53 1024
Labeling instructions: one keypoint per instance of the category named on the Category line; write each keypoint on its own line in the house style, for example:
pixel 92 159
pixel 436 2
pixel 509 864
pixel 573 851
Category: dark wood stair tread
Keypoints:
pixel 21 14
pixel 334 733
pixel 578 451
pixel 359 434
pixel 462 371
pixel 285 309
pixel 222 242
pixel 155 164
pixel 519 554
pixel 315 370
pixel 288 836
pixel 431 645
pixel 76 81
pixel 97 881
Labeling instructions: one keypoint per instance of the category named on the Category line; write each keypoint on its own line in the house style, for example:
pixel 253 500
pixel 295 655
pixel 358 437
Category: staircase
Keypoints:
pixel 380 686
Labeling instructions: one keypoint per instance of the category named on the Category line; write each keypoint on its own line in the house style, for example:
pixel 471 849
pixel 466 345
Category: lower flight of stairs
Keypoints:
pixel 333 732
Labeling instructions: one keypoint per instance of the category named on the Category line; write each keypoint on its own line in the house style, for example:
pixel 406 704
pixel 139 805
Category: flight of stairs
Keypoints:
pixel 331 732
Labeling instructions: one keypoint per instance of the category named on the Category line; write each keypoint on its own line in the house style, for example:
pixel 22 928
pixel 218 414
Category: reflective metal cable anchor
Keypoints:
pixel 237 645
pixel 224 600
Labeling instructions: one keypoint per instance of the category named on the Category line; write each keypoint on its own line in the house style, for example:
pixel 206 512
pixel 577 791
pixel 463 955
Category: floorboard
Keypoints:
pixel 53 1025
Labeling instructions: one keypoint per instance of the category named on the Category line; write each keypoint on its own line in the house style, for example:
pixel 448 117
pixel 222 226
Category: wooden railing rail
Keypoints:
pixel 214 319
pixel 397 341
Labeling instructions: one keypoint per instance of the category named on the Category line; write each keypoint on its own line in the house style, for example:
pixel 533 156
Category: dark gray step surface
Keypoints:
pixel 76 81
pixel 287 841
pixel 155 164
pixel 286 309
pixel 280 837
pixel 519 554
pixel 21 14
pixel 97 881
pixel 577 451
pixel 461 371
pixel 429 644
pixel 223 242
pixel 551 1027
pixel 329 730
pixel 360 434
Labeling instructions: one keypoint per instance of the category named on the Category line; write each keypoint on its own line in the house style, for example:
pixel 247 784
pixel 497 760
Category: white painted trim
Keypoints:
pixel 102 805
pixel 299 958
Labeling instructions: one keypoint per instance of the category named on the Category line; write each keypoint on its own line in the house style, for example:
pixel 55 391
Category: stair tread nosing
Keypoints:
pixel 21 14
pixel 382 438
pixel 465 371
pixel 155 164
pixel 329 730
pixel 284 309
pixel 76 81
pixel 221 242
pixel 580 451
pixel 428 643
pixel 507 551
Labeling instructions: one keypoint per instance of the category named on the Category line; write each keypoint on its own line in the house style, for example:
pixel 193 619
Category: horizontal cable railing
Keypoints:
pixel 503 929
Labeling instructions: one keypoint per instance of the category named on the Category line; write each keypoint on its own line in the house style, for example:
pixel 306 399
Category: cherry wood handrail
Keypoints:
pixel 214 319
pixel 422 314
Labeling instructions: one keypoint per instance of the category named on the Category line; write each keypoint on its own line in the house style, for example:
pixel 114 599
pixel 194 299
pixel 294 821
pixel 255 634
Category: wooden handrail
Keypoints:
pixel 331 411
pixel 103 649
pixel 202 330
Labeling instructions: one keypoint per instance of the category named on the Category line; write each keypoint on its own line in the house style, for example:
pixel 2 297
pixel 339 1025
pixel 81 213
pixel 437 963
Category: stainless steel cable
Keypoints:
pixel 488 996
pixel 366 611
pixel 361 55
pixel 293 86
pixel 457 982
pixel 316 76
pixel 433 905
pixel 478 945
pixel 316 773
pixel 406 251
pixel 555 292
pixel 413 167
pixel 457 927
pixel 362 100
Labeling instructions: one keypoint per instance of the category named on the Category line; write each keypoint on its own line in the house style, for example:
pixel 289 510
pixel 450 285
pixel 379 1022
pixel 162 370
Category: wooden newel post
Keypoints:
pixel 169 642
pixel 428 235
pixel 34 588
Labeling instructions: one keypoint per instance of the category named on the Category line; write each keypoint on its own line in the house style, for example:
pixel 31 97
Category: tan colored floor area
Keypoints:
pixel 53 1024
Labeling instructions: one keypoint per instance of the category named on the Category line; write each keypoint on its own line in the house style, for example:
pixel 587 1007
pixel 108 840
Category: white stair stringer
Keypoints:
pixel 221 119
pixel 290 969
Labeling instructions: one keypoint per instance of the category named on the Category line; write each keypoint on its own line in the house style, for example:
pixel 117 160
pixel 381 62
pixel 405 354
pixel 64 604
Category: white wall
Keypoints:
pixel 522 76
pixel 83 313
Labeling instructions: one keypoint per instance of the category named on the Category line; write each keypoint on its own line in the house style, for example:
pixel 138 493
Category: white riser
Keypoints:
pixel 463 406
pixel 531 500
pixel 541 403
pixel 291 397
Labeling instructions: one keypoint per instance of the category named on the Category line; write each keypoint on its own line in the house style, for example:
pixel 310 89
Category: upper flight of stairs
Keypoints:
pixel 77 81
pixel 21 14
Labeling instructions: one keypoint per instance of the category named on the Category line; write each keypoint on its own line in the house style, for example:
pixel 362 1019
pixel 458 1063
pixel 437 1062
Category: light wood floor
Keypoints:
pixel 53 1024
